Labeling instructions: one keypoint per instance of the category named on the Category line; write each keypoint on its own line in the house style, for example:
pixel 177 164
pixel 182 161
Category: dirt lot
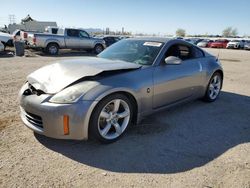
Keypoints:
pixel 194 145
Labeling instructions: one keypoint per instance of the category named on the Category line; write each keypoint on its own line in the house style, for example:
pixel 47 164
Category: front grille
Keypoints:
pixel 34 119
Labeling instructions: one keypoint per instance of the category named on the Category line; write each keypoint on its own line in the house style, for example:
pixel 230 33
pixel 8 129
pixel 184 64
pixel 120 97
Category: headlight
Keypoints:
pixel 73 93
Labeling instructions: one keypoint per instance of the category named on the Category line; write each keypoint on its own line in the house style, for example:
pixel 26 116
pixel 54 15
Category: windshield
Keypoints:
pixel 134 51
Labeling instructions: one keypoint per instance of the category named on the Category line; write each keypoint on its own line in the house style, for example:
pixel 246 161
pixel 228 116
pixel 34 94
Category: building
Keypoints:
pixel 29 24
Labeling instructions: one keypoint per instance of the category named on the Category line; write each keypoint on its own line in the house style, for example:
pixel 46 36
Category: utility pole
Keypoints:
pixel 12 19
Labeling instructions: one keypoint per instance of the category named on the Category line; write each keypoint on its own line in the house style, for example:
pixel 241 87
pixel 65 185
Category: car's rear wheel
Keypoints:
pixel 214 87
pixel 111 118
pixel 52 49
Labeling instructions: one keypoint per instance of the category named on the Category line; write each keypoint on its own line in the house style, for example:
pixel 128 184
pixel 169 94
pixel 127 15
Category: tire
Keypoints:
pixel 98 48
pixel 52 49
pixel 213 88
pixel 4 45
pixel 105 124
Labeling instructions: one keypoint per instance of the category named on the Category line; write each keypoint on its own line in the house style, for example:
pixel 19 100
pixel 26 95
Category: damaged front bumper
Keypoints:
pixel 47 118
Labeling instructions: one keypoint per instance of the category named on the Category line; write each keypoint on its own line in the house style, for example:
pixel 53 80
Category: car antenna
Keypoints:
pixel 217 58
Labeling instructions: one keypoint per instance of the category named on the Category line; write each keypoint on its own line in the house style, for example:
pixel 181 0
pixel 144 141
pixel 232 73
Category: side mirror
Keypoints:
pixel 172 60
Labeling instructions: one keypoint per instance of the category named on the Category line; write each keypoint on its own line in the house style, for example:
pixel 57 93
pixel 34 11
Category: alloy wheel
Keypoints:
pixel 113 119
pixel 214 87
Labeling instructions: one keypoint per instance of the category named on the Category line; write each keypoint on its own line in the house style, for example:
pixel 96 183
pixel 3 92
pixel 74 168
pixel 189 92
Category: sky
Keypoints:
pixel 137 16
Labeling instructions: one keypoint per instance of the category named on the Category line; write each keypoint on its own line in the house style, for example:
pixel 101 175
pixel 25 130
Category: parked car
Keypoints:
pixel 102 96
pixel 247 45
pixel 67 38
pixel 193 40
pixel 109 40
pixel 221 43
pixel 6 39
pixel 196 41
pixel 25 36
pixel 236 44
pixel 19 35
pixel 206 43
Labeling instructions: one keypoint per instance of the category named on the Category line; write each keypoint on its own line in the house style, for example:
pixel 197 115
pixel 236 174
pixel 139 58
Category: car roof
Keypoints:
pixel 152 39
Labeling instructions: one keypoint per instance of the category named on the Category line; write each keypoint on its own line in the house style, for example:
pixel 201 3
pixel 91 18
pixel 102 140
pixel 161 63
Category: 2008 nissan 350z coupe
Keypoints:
pixel 101 96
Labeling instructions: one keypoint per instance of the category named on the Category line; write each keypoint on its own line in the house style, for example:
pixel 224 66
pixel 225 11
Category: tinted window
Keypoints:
pixel 185 52
pixel 84 34
pixel 197 53
pixel 54 30
pixel 73 33
pixel 178 50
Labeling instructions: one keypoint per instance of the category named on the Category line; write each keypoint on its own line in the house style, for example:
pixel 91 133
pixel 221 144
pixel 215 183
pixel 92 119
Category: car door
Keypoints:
pixel 85 40
pixel 72 39
pixel 176 82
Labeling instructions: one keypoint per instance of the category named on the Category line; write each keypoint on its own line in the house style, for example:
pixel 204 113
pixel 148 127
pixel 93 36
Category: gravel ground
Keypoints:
pixel 193 145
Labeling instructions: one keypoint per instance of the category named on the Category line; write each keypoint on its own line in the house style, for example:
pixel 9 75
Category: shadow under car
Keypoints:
pixel 172 141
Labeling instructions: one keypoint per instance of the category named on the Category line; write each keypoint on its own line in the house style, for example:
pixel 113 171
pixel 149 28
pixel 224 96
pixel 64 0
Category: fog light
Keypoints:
pixel 66 124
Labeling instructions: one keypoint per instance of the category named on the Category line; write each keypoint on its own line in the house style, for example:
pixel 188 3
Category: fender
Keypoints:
pixel 99 98
pixel 53 41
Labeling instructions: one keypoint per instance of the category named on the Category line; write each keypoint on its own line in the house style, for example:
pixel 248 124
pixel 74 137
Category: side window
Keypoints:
pixel 197 53
pixel 73 33
pixel 179 50
pixel 173 51
pixel 83 34
pixel 54 30
pixel 185 52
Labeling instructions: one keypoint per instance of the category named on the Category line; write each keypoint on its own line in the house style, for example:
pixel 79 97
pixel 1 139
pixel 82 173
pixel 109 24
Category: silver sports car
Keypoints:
pixel 101 96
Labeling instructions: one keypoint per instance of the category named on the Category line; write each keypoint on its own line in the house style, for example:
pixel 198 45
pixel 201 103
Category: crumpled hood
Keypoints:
pixel 55 77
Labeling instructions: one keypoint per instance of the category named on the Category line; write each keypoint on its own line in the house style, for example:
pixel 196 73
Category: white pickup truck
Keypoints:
pixel 66 38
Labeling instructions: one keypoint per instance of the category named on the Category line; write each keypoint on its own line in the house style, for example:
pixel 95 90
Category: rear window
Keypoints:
pixel 73 33
pixel 197 53
pixel 54 30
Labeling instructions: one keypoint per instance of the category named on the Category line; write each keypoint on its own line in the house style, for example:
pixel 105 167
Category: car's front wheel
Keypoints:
pixel 111 118
pixel 98 48
pixel 214 87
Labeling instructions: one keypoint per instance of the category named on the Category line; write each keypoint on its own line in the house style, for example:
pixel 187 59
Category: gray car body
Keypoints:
pixel 64 41
pixel 150 89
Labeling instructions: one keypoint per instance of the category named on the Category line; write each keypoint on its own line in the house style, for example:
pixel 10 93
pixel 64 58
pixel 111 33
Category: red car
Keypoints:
pixel 221 43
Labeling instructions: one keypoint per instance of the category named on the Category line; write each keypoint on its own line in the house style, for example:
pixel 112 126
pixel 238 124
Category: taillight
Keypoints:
pixel 25 35
pixel 34 39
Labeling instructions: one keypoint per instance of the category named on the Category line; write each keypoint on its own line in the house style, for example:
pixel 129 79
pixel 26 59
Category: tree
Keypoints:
pixel 180 32
pixel 230 32
pixel 234 32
